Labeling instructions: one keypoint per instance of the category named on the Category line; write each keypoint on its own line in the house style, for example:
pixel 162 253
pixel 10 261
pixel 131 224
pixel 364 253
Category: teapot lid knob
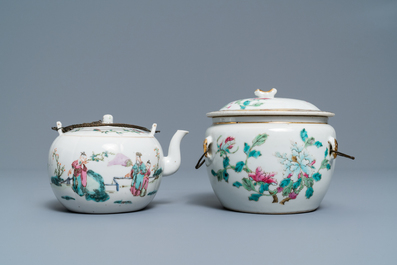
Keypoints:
pixel 107 118
pixel 266 94
pixel 153 130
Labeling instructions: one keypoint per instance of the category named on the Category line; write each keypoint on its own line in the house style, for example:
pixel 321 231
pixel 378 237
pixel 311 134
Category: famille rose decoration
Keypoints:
pixel 270 155
pixel 106 167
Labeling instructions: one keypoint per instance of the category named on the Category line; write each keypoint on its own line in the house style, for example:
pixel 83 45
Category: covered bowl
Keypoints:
pixel 270 155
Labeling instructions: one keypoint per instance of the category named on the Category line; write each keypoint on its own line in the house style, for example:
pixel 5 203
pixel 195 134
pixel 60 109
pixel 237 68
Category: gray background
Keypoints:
pixel 171 62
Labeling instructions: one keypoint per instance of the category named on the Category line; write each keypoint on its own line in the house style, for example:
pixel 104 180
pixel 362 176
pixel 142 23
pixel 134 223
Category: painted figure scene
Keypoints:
pixel 87 183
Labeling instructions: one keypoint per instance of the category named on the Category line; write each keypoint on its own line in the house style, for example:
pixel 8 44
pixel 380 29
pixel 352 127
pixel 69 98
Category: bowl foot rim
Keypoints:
pixel 270 213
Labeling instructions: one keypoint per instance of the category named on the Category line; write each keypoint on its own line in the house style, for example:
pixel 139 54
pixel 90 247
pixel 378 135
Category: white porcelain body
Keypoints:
pixel 69 149
pixel 108 168
pixel 235 191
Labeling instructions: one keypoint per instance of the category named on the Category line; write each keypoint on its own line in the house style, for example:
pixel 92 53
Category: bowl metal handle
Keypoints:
pixel 207 153
pixel 333 149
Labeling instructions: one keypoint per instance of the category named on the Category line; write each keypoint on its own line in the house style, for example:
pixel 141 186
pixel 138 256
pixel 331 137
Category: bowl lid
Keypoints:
pixel 106 127
pixel 266 104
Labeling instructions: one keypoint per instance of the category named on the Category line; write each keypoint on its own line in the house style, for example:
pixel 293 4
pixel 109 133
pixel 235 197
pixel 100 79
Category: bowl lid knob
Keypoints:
pixel 266 94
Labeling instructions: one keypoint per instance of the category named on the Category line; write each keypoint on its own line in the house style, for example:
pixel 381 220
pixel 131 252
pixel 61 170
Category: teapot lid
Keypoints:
pixel 266 104
pixel 106 127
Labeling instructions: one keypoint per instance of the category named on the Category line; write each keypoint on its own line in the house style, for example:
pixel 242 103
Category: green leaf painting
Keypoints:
pixel 287 189
pixel 308 182
pixel 300 170
pixel 259 140
pixel 248 185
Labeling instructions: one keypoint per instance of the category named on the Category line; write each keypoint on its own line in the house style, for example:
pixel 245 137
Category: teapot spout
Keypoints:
pixel 172 162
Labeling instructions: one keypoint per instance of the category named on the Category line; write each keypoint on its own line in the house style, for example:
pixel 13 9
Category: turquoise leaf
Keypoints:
pixel 237 184
pixel 309 192
pixel 304 135
pixel 246 103
pixel 317 176
pixel 285 183
pixel 213 173
pixel 318 144
pixel 226 162
pixel 246 148
pixel 239 166
pixel 68 198
pixel 254 197
pixel 326 152
pixel 254 153
pixel 328 166
pixel 297 183
pixel 264 187
pixel 160 170
pixel 225 176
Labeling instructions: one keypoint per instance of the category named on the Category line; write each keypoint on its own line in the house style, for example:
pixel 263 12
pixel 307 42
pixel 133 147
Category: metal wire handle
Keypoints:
pixel 334 149
pixel 99 123
pixel 342 154
pixel 201 161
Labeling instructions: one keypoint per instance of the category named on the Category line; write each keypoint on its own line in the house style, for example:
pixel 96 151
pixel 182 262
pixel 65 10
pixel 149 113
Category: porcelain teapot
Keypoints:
pixel 106 167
